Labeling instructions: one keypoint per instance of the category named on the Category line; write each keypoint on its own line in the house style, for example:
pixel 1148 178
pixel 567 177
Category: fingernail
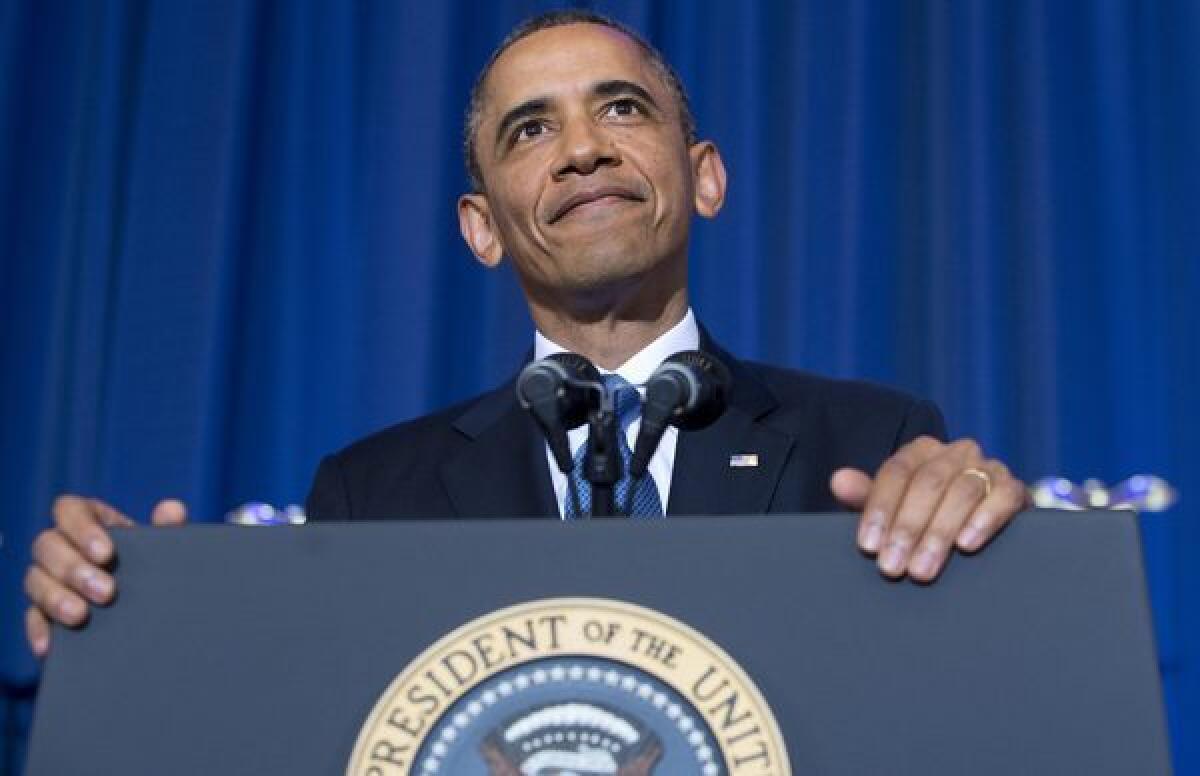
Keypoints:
pixel 99 585
pixel 70 609
pixel 971 536
pixel 97 549
pixel 892 560
pixel 86 577
pixel 926 561
pixel 40 646
pixel 872 537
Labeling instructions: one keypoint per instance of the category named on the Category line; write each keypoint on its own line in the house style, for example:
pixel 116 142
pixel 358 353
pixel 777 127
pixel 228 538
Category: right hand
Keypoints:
pixel 70 562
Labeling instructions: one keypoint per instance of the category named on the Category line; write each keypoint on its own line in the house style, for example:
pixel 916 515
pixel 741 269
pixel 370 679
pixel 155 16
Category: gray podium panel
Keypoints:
pixel 262 650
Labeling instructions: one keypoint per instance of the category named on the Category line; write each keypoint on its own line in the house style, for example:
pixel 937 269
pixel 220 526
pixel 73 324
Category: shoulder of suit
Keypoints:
pixel 858 421
pixel 797 388
pixel 422 436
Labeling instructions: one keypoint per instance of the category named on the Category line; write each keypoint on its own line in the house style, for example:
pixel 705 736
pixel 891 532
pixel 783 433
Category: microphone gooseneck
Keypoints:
pixel 559 391
pixel 689 390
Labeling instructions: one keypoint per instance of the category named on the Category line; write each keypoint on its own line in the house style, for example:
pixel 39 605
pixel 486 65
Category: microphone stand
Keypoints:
pixel 602 464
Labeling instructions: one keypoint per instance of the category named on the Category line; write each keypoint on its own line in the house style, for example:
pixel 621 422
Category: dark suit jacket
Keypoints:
pixel 487 458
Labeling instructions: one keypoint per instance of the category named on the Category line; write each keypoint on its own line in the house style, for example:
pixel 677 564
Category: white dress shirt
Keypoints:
pixel 685 335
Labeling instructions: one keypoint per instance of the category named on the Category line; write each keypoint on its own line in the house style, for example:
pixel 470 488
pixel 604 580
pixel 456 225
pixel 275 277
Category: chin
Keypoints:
pixel 603 279
pixel 612 265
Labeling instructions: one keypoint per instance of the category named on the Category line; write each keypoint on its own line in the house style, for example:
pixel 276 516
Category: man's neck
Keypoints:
pixel 613 337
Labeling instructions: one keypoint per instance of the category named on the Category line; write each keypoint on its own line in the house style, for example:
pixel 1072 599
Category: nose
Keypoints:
pixel 586 147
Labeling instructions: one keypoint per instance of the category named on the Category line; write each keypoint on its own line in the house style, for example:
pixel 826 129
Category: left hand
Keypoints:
pixel 927 499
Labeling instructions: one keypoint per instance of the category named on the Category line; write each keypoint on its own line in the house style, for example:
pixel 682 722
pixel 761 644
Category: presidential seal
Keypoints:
pixel 571 687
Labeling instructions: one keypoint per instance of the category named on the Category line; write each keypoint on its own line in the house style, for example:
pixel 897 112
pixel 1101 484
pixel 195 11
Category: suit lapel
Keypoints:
pixel 502 470
pixel 705 480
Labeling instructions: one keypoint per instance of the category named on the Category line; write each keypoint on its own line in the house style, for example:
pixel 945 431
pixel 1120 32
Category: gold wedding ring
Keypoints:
pixel 981 474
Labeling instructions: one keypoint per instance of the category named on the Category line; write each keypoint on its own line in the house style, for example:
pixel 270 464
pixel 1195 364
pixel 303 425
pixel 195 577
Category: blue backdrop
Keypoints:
pixel 227 240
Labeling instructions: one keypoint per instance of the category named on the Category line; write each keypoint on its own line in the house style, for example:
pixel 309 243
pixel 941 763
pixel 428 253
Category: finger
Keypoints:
pixel 851 487
pixel 56 601
pixel 58 558
pixel 82 521
pixel 926 488
pixel 887 491
pixel 169 512
pixel 1008 497
pixel 37 630
pixel 964 494
pixel 109 517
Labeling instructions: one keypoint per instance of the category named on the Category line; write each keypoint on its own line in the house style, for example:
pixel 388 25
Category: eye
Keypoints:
pixel 622 108
pixel 528 130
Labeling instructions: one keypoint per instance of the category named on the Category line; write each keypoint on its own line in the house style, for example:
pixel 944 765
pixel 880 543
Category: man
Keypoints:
pixel 586 172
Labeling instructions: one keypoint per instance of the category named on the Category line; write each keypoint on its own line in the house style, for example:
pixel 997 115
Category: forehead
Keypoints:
pixel 561 60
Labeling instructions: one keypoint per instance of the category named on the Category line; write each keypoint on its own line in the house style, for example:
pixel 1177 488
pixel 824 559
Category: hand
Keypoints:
pixel 69 561
pixel 927 499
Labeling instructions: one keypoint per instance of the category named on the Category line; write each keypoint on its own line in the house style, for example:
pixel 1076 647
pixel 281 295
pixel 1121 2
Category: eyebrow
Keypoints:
pixel 526 109
pixel 536 105
pixel 617 87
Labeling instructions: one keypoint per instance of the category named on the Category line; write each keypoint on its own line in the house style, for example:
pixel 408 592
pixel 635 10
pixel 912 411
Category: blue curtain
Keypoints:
pixel 228 245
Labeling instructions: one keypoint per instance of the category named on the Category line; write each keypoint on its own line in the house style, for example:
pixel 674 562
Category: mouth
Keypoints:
pixel 599 196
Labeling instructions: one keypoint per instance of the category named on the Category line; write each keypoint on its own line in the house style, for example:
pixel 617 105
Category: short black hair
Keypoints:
pixel 562 18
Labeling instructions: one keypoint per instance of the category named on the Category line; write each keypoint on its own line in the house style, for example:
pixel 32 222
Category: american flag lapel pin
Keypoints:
pixel 743 460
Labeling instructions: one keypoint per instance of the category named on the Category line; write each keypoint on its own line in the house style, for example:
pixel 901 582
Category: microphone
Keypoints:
pixel 688 391
pixel 558 391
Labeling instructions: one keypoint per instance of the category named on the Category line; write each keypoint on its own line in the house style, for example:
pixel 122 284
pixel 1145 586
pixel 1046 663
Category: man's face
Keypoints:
pixel 588 181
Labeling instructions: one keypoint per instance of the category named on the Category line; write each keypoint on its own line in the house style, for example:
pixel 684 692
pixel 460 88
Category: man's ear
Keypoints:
pixel 475 223
pixel 708 178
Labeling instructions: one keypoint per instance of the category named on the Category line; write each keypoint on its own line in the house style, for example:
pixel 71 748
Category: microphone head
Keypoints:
pixel 707 382
pixel 558 391
pixel 582 389
pixel 687 391
pixel 562 380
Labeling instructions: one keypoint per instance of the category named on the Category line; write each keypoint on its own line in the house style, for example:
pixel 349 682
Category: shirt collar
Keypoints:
pixel 684 335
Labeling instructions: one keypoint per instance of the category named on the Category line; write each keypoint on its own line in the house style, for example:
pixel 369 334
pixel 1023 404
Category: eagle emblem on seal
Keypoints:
pixel 571 739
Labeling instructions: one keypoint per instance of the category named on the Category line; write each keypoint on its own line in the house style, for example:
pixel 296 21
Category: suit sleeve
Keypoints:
pixel 923 419
pixel 328 498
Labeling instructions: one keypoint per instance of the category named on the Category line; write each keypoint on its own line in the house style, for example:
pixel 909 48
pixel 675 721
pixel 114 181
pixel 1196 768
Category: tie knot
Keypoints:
pixel 626 400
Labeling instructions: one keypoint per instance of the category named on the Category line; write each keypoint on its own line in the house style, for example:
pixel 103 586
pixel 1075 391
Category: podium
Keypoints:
pixel 263 651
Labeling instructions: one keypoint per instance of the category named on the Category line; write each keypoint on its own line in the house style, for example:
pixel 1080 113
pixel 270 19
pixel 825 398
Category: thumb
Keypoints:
pixel 851 487
pixel 169 512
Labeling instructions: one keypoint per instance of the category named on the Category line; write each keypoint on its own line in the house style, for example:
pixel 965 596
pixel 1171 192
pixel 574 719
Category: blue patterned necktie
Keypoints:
pixel 645 501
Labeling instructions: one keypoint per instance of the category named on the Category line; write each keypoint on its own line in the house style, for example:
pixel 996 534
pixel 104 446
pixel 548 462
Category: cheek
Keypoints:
pixel 674 191
pixel 511 210
pixel 670 169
